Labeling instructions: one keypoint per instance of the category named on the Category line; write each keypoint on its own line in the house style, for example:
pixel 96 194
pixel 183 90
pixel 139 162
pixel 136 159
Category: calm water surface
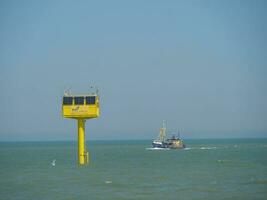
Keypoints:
pixel 207 169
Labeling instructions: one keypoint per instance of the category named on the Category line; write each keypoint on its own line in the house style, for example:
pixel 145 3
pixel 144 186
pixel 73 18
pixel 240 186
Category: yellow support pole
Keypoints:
pixel 82 154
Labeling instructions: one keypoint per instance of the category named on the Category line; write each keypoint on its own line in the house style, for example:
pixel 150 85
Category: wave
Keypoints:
pixel 204 148
pixel 199 148
pixel 187 148
pixel 257 182
pixel 108 182
pixel 223 161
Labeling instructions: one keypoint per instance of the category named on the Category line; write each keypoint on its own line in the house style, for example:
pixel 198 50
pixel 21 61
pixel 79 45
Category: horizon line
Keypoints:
pixel 131 139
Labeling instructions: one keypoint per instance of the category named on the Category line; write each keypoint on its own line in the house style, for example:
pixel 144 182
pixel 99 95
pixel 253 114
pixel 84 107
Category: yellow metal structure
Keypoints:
pixel 81 107
pixel 85 107
pixel 82 153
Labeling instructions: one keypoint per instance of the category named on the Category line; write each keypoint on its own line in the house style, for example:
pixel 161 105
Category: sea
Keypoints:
pixel 207 169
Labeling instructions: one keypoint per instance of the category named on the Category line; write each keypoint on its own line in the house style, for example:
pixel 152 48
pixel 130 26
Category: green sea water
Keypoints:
pixel 206 169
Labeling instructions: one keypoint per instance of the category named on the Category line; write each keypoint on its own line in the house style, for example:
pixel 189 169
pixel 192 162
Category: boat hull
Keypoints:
pixel 168 145
pixel 158 145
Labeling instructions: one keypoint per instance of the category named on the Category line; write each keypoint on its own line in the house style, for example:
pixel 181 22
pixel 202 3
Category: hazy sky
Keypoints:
pixel 200 65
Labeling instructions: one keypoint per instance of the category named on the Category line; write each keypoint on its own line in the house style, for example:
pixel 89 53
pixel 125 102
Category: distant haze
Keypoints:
pixel 199 65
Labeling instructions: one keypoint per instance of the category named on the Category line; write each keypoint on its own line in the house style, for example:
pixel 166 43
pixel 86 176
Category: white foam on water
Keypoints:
pixel 187 148
pixel 223 161
pixel 108 182
pixel 207 148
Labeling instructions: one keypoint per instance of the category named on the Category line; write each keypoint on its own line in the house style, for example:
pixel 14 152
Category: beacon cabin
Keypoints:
pixel 80 106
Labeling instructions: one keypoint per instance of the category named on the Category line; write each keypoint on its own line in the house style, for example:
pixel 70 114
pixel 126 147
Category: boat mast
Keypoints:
pixel 162 131
pixel 179 131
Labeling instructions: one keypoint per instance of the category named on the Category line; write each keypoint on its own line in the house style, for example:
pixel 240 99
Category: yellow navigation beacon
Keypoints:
pixel 81 107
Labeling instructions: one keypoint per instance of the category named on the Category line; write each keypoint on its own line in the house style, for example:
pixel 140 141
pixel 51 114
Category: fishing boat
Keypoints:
pixel 175 142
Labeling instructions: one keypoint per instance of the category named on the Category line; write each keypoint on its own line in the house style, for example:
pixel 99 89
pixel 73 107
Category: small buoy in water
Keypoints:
pixel 53 163
pixel 108 182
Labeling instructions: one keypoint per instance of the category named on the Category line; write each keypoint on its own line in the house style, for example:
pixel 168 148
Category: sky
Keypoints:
pixel 199 65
